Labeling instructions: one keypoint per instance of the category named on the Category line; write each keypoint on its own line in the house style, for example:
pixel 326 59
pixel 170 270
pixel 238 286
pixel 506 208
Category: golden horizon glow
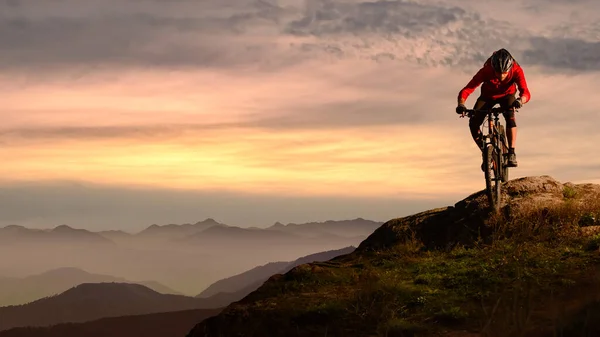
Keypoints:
pixel 285 162
pixel 221 131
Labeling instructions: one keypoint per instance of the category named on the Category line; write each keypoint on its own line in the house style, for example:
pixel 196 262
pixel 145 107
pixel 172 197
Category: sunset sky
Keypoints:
pixel 120 114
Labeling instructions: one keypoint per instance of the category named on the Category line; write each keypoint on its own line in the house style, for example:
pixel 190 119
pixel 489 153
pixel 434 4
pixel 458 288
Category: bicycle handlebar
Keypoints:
pixel 492 110
pixel 495 111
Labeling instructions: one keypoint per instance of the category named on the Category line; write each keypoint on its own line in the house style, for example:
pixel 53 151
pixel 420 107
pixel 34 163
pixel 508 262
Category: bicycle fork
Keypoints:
pixel 492 139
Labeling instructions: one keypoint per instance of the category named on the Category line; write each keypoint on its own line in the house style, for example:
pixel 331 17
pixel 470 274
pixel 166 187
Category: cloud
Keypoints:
pixel 147 34
pixel 563 53
pixel 165 105
pixel 328 116
pixel 352 113
pixel 326 17
pixel 132 41
pixel 66 133
pixel 226 35
pixel 273 35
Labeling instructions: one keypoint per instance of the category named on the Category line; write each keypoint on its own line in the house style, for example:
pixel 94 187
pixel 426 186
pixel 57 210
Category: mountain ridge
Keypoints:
pixel 179 230
pixel 90 301
pixel 237 286
pixel 15 233
pixel 22 290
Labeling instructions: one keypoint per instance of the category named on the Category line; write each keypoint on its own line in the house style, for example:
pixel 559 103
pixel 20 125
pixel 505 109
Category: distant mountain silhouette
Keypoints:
pixel 116 235
pixel 160 253
pixel 240 281
pixel 235 235
pixel 356 229
pixel 90 301
pixel 14 291
pixel 19 234
pixel 210 229
pixel 156 286
pixel 345 228
pixel 167 324
pixel 173 231
pixel 235 288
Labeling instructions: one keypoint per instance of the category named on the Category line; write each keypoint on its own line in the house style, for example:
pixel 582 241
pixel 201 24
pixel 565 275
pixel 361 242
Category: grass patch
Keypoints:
pixel 593 243
pixel 569 192
pixel 451 315
pixel 400 327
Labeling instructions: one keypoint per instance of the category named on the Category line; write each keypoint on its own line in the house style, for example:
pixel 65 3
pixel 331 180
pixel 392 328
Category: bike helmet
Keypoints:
pixel 502 61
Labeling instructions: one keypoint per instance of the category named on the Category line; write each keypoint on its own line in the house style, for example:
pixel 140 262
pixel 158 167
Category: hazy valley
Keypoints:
pixel 181 259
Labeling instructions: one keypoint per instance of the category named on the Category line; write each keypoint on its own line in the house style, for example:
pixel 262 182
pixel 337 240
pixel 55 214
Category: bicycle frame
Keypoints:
pixel 493 124
pixel 494 147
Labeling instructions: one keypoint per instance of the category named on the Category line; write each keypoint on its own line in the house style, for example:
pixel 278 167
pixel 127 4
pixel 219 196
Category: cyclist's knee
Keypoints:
pixel 511 122
pixel 509 116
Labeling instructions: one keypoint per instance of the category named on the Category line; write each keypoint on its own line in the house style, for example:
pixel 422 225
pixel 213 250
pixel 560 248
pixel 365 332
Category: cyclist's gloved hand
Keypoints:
pixel 517 104
pixel 460 109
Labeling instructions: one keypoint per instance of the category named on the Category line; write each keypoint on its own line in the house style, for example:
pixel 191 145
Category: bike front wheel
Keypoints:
pixel 491 168
pixel 503 144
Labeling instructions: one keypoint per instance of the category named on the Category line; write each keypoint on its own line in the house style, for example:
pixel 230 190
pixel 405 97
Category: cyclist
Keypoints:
pixel 500 75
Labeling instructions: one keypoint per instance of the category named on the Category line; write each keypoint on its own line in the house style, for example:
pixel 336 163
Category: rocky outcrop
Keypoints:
pixel 470 220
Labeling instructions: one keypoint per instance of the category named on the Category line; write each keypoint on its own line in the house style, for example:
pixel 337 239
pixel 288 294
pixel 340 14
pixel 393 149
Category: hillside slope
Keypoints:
pixel 89 301
pixel 454 271
pixel 248 281
pixel 165 324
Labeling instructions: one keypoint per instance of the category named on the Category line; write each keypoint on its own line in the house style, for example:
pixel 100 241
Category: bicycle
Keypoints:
pixel 494 149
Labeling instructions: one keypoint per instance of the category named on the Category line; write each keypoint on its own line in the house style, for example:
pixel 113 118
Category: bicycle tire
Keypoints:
pixel 488 172
pixel 503 144
pixel 498 176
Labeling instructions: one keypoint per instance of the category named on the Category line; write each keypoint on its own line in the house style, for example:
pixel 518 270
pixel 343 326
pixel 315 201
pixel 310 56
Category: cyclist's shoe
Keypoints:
pixel 512 160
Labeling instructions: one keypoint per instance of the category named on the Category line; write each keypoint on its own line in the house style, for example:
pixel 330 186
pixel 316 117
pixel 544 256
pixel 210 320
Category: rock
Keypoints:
pixel 469 219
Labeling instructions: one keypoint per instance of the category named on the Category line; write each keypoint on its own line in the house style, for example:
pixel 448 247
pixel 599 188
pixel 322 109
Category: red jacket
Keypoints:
pixel 492 88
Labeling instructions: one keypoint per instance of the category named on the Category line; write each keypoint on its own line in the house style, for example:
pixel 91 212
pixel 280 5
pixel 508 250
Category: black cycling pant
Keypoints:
pixel 485 104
